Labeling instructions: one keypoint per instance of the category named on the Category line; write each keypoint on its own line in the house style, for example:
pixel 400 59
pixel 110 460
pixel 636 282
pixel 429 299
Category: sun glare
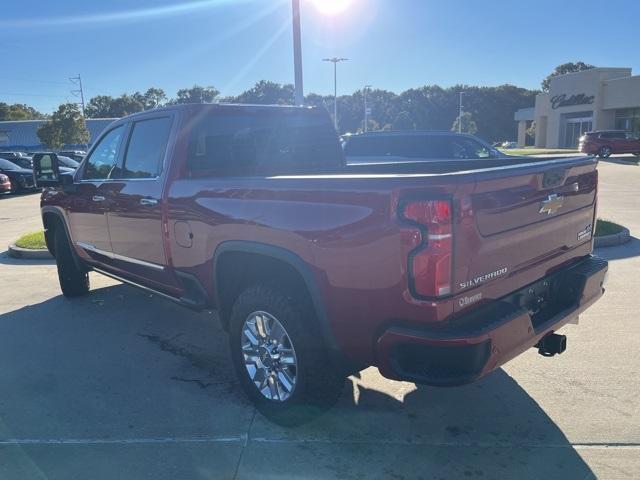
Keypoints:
pixel 332 7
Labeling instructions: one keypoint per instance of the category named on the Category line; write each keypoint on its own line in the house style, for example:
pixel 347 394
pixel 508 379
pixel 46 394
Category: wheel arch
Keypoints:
pixel 245 260
pixel 52 219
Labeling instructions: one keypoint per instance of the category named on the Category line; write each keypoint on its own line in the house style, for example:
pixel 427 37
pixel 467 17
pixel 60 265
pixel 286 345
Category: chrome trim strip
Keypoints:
pixel 134 284
pixel 439 237
pixel 116 256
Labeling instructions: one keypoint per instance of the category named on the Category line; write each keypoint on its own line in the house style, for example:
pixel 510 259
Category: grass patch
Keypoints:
pixel 538 151
pixel 605 227
pixel 32 241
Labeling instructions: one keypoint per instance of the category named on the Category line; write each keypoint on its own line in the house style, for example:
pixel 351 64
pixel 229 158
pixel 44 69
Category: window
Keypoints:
pixel 408 146
pixel 262 142
pixel 146 149
pixel 102 161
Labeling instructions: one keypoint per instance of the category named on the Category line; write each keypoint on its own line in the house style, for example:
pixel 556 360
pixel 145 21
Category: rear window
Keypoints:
pixel 263 142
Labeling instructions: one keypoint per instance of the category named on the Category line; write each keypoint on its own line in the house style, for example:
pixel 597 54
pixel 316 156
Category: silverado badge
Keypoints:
pixel 551 204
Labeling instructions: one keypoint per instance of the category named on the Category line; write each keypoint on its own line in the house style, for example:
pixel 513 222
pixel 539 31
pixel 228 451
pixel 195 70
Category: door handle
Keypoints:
pixel 148 202
pixel 98 198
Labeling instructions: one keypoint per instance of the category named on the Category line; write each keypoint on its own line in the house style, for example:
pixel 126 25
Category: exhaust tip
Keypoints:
pixel 552 344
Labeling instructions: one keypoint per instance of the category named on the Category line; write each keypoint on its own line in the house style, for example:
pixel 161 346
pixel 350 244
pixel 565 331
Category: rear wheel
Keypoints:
pixel 604 152
pixel 74 281
pixel 279 356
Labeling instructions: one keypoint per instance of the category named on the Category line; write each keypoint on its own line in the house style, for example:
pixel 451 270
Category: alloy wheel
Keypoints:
pixel 269 356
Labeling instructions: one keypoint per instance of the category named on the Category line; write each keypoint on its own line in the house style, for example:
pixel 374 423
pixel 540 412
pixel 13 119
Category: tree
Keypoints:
pixel 267 93
pixel 18 111
pixel 65 127
pixel 196 94
pixel 404 122
pixel 569 67
pixel 467 122
pixel 531 131
pixel 105 106
pixel 152 98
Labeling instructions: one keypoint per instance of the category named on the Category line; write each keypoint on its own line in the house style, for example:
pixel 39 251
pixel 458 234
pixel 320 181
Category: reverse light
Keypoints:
pixel 430 265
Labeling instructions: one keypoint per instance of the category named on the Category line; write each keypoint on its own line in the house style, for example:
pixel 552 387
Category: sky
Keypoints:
pixel 122 46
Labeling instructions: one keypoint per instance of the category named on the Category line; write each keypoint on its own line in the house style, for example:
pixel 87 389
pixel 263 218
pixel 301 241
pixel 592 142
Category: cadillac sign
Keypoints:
pixel 558 101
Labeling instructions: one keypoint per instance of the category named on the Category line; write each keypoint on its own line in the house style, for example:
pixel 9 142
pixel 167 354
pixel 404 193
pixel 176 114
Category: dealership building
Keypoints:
pixel 22 135
pixel 595 99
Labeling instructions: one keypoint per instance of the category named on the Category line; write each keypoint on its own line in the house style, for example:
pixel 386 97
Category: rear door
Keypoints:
pixel 89 203
pixel 136 224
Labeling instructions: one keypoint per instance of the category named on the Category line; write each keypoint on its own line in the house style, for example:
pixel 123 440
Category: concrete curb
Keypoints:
pixel 613 240
pixel 28 254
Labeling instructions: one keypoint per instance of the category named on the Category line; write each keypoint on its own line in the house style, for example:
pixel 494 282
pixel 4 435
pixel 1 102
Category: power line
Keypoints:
pixel 33 80
pixel 31 95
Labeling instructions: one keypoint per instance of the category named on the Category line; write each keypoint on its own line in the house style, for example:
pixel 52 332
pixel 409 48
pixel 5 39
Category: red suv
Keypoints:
pixel 605 142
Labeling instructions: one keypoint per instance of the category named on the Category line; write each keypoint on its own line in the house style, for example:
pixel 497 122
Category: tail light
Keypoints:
pixel 430 265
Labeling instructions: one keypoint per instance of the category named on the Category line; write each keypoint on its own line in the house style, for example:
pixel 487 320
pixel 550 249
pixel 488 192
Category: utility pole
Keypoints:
pixel 366 108
pixel 335 61
pixel 460 114
pixel 79 91
pixel 297 53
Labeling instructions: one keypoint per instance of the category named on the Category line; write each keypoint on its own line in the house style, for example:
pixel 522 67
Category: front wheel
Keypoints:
pixel 280 358
pixel 604 152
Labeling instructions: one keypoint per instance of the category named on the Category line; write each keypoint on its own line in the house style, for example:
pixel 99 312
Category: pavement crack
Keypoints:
pixel 201 383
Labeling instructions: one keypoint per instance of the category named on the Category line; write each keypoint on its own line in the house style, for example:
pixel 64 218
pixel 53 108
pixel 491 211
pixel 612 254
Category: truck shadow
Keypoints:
pixel 626 250
pixel 118 364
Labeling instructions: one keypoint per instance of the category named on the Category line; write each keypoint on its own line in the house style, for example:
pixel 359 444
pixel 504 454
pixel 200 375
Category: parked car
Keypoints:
pixel 5 184
pixel 21 178
pixel 604 143
pixel 76 155
pixel 68 163
pixel 411 145
pixel 435 272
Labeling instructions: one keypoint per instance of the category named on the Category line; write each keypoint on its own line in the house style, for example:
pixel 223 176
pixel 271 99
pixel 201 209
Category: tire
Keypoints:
pixel 74 282
pixel 311 387
pixel 604 152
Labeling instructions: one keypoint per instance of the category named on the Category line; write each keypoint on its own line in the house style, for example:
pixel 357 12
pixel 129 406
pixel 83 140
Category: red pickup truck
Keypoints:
pixel 436 273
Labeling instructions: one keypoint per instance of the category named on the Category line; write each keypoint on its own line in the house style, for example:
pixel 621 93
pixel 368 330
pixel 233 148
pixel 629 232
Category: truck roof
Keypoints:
pixel 226 107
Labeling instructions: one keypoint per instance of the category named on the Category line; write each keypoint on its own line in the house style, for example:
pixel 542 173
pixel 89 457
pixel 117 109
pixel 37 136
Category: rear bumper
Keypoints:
pixel 474 344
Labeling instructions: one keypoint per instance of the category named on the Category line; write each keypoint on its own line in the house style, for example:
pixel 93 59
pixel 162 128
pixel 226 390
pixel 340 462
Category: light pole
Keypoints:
pixel 460 114
pixel 366 108
pixel 335 61
pixel 297 52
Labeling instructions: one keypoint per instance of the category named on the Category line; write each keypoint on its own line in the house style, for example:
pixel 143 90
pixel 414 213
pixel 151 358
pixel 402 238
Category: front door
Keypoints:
pixel 89 203
pixel 136 224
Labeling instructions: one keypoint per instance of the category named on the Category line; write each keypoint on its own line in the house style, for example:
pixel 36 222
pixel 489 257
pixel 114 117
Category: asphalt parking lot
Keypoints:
pixel 120 384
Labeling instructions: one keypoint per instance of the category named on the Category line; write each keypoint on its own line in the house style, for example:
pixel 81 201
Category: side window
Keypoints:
pixel 104 157
pixel 146 148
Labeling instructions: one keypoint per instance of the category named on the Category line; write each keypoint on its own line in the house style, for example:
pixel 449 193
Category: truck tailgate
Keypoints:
pixel 517 219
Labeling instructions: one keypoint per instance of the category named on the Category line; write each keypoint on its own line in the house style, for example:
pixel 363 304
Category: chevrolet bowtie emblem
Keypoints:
pixel 551 204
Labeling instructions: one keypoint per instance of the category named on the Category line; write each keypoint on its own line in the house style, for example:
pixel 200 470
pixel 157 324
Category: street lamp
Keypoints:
pixel 335 61
pixel 297 52
pixel 460 114
pixel 366 108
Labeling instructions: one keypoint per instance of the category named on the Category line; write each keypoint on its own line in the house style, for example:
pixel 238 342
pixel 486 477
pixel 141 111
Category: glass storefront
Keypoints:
pixel 573 126
pixel 629 120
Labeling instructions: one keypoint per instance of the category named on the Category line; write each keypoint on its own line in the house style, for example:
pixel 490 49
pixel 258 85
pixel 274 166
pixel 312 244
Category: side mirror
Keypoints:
pixel 46 170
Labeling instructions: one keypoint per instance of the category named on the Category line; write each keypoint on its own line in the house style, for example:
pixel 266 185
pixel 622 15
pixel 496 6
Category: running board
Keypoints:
pixel 184 301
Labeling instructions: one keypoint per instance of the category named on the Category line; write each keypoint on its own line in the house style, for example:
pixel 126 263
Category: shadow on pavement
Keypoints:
pixel 119 365
pixel 631 161
pixel 627 250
